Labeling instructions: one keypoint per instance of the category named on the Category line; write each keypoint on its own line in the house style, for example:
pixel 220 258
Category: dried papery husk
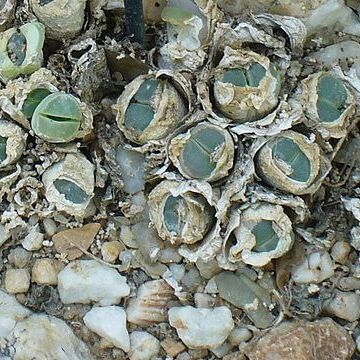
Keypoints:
pixel 188 35
pixel 8 178
pixel 25 193
pixel 76 169
pixel 276 172
pixel 300 211
pixel 90 72
pixel 7 13
pixel 241 228
pixel 62 20
pixel 309 96
pixel 15 145
pixel 247 102
pixel 12 97
pixel 194 212
pixel 284 117
pixel 220 158
pixel 34 36
pixel 300 8
pixel 170 103
pixel 294 29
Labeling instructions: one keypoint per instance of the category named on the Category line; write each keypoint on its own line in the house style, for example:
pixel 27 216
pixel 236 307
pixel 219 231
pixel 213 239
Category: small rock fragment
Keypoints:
pixel 45 271
pixel 344 305
pixel 201 328
pixel 46 337
pixel 244 293
pixel 109 322
pixel 222 350
pixel 110 251
pixel 144 346
pixel 49 226
pixel 238 335
pixel 65 241
pixel 85 281
pixel 10 312
pixel 19 257
pixel 151 303
pixel 322 340
pixel 172 347
pixel 33 240
pixel 17 281
pixel 315 268
pixel 340 251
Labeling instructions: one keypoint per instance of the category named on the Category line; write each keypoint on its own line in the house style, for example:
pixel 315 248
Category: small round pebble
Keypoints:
pixel 144 346
pixel 17 281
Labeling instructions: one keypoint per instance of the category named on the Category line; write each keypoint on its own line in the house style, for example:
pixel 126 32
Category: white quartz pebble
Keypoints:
pixel 201 328
pixel 315 268
pixel 109 322
pixel 345 305
pixel 86 281
pixel 10 312
pixel 144 346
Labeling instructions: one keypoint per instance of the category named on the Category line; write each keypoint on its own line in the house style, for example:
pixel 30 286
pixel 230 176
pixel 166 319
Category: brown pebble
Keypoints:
pixel 83 237
pixel 172 347
pixel 321 340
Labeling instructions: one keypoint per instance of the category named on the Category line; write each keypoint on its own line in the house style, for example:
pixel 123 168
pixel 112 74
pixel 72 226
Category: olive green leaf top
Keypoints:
pixel 204 152
pixel 332 97
pixel 57 118
pixel 297 164
pixel 3 155
pixel 21 50
pixel 176 15
pixel 140 112
pixel 33 99
pixel 71 191
pixel 266 238
pixel 245 77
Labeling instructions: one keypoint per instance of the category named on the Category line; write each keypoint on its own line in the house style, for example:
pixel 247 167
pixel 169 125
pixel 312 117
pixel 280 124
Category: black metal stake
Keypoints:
pixel 134 20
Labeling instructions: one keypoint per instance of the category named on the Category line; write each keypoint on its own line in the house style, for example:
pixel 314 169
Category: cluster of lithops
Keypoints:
pixel 205 158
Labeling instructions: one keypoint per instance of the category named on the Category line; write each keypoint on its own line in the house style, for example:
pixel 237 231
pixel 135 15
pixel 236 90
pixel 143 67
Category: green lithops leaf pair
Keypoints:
pixel 55 117
pixel 180 213
pixel 262 232
pixel 290 162
pixel 332 97
pixel 150 108
pixel 245 77
pixel 328 104
pixel 69 184
pixel 246 85
pixel 205 152
pixel 71 191
pixel 21 50
pixel 140 113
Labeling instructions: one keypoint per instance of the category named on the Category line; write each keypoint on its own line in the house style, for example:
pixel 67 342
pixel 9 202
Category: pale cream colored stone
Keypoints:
pixel 110 250
pixel 45 271
pixel 17 281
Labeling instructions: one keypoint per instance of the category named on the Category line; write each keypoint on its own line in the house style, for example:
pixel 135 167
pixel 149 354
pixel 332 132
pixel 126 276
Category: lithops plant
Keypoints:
pixel 246 85
pixel 190 24
pixel 21 50
pixel 328 104
pixel 261 232
pixel 204 152
pixel 292 162
pixel 62 20
pixel 12 143
pixel 151 107
pixel 7 11
pixel 57 118
pixel 69 184
pixel 182 212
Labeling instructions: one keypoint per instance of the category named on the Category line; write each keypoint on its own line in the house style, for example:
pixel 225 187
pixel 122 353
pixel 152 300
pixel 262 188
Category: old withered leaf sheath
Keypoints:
pixel 134 20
